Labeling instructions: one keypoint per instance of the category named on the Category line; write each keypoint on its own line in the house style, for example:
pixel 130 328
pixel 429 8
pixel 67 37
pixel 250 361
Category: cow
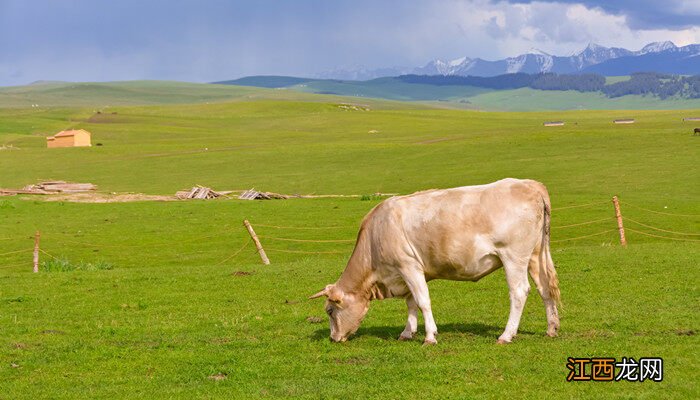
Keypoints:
pixel 696 131
pixel 462 234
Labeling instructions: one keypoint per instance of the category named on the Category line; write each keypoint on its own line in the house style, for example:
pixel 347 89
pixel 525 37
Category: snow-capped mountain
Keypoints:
pixel 663 57
pixel 657 47
pixel 655 57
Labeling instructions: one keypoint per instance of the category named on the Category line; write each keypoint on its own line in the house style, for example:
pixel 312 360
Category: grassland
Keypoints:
pixel 469 97
pixel 178 317
pixel 527 99
pixel 104 95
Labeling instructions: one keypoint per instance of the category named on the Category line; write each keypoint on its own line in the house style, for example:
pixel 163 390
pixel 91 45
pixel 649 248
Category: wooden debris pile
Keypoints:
pixel 51 187
pixel 253 194
pixel 62 187
pixel 200 192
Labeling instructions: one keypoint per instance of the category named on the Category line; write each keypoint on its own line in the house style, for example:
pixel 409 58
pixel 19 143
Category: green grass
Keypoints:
pixel 527 99
pixel 107 95
pixel 103 95
pixel 390 88
pixel 64 265
pixel 176 311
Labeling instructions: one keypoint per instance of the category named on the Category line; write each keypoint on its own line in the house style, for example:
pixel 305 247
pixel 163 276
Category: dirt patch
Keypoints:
pixel 314 320
pixel 593 333
pixel 218 377
pixel 685 332
pixel 52 332
pixel 19 346
pixel 106 198
pixel 107 118
pixel 289 303
pixel 242 273
pixel 220 340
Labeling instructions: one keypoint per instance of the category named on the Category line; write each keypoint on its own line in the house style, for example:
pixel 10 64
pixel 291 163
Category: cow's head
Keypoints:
pixel 345 311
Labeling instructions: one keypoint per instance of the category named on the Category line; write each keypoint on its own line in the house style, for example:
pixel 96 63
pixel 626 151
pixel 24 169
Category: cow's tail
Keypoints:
pixel 547 265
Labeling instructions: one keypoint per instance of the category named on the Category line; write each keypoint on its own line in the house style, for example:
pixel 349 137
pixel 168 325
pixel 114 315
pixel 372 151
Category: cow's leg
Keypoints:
pixel 518 288
pixel 412 322
pixel 415 280
pixel 538 275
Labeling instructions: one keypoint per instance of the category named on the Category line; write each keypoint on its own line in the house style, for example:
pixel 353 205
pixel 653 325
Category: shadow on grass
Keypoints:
pixel 392 332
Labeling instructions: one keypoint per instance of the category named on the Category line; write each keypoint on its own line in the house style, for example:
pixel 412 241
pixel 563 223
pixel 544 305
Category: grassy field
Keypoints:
pixel 468 97
pixel 181 314
pixel 534 100
pixel 105 95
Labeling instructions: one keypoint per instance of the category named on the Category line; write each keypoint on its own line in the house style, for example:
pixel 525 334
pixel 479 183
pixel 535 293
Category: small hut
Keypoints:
pixel 624 121
pixel 69 138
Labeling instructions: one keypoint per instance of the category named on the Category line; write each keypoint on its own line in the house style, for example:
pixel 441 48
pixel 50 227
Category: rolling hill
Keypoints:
pixel 468 96
pixel 379 93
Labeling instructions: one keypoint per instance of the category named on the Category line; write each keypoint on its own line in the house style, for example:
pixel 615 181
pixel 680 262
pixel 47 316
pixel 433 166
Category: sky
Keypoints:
pixel 211 40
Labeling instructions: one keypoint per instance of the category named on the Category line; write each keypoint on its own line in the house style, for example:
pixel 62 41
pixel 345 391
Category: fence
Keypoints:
pixel 287 243
pixel 55 239
pixel 609 225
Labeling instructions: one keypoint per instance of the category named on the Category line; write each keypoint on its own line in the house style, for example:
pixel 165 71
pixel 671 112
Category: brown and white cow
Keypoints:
pixel 459 234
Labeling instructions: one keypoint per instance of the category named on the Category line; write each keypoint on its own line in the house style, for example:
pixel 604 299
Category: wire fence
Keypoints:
pixel 60 240
pixel 287 243
pixel 607 225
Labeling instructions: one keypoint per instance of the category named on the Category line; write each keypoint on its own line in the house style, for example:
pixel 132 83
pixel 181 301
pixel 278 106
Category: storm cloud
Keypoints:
pixel 188 40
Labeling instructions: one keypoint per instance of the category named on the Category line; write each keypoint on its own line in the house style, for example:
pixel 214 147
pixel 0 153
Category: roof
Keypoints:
pixel 70 132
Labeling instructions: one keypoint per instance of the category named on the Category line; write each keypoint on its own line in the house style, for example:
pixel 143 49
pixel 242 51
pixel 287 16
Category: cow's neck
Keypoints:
pixel 358 278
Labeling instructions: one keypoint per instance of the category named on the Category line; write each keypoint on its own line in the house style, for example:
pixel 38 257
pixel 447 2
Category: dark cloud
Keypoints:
pixel 195 40
pixel 641 14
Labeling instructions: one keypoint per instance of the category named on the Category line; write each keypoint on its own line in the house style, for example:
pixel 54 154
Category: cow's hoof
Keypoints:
pixel 502 341
pixel 429 342
pixel 406 336
pixel 552 333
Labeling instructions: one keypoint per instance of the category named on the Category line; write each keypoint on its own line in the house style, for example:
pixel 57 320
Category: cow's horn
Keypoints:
pixel 323 292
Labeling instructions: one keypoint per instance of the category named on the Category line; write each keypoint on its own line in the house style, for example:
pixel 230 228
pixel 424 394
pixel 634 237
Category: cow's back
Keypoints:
pixel 457 233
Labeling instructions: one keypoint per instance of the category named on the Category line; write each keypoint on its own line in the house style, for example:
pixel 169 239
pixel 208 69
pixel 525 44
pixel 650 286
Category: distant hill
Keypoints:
pixel 266 81
pixel 545 91
pixel 101 94
pixel 517 92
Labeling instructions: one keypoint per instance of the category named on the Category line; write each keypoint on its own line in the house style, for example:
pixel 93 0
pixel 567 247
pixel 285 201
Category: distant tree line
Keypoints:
pixel 643 83
pixel 661 85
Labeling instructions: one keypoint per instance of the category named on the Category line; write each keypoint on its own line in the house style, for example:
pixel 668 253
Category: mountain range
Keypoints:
pixel 662 57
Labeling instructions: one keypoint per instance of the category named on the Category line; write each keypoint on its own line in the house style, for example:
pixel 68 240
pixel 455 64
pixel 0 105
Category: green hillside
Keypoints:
pixel 390 88
pixel 118 93
pixel 169 299
pixel 376 92
pixel 527 99
pixel 266 81
pixel 460 96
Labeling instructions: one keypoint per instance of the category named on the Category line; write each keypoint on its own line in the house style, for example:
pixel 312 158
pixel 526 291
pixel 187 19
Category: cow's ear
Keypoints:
pixel 335 294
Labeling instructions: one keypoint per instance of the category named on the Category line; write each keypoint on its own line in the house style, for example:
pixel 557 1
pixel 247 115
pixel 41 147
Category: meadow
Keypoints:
pixel 183 312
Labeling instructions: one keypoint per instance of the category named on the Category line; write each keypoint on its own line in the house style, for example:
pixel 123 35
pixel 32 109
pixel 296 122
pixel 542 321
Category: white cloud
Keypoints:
pixel 564 28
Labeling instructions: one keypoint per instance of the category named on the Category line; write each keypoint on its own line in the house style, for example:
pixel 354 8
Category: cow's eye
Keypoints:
pixel 329 311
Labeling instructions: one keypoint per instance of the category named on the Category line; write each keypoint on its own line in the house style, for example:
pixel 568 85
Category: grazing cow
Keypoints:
pixel 696 131
pixel 460 234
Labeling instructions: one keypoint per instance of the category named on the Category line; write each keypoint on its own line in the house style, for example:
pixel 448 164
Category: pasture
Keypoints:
pixel 182 314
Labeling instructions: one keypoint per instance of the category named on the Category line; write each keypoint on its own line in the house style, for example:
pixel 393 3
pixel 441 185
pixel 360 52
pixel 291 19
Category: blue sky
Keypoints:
pixel 208 40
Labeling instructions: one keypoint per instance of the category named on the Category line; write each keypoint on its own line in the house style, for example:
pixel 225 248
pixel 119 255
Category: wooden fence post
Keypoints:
pixel 37 236
pixel 253 236
pixel 618 215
